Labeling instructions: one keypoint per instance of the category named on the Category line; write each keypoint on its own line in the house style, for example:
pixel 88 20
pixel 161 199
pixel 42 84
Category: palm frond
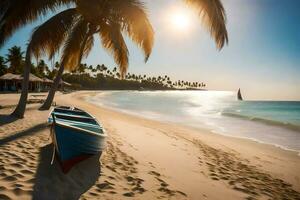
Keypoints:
pixel 88 45
pixel 48 37
pixel 71 53
pixel 135 23
pixel 113 41
pixel 91 10
pixel 214 17
pixel 18 13
pixel 4 5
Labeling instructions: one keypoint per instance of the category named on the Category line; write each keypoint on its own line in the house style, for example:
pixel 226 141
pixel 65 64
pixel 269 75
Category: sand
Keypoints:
pixel 144 159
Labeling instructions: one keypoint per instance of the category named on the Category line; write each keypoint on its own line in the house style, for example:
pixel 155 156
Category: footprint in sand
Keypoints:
pixel 243 177
pixel 4 197
pixel 164 186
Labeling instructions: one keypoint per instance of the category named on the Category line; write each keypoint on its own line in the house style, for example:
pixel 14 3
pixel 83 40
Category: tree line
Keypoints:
pixel 93 77
pixel 13 62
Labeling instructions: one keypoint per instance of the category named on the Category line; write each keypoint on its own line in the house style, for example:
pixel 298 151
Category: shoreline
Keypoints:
pixel 199 128
pixel 208 133
pixel 144 159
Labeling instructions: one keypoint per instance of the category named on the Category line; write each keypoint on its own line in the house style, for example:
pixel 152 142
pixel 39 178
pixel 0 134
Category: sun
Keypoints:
pixel 180 21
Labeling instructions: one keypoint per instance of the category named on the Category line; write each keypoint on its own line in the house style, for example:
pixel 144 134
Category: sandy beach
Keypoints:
pixel 144 159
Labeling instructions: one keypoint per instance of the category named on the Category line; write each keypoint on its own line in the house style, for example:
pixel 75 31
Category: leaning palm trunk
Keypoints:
pixel 21 107
pixel 47 104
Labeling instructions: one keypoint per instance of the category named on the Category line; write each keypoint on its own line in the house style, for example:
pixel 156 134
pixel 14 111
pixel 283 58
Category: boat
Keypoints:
pixel 239 95
pixel 76 135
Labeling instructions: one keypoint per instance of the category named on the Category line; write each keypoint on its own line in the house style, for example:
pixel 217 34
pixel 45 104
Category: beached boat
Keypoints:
pixel 76 135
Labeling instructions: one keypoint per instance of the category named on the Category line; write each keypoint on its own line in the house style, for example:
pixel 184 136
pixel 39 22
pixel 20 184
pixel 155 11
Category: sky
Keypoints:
pixel 262 57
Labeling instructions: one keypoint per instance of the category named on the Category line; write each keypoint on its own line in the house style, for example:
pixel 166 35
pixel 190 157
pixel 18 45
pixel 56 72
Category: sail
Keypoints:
pixel 239 95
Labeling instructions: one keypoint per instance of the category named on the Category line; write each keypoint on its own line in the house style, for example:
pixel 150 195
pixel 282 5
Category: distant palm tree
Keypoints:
pixel 98 67
pixel 15 59
pixel 3 67
pixel 41 68
pixel 56 65
pixel 81 68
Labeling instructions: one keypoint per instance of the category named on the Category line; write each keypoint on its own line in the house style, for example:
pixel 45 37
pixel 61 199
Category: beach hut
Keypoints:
pixel 10 82
pixel 46 84
pixel 35 83
pixel 13 82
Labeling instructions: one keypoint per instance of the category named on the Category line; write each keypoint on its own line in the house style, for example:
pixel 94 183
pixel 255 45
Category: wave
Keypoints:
pixel 285 125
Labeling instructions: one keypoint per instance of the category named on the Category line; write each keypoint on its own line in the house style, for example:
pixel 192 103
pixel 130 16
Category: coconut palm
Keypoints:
pixel 115 17
pixel 3 67
pixel 14 14
pixel 88 17
pixel 41 68
pixel 213 15
pixel 15 58
pixel 81 68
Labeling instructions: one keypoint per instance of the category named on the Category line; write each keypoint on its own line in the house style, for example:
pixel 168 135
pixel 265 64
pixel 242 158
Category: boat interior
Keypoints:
pixel 69 110
pixel 76 118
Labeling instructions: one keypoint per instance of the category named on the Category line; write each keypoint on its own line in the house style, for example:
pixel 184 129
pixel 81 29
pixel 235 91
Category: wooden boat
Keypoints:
pixel 76 135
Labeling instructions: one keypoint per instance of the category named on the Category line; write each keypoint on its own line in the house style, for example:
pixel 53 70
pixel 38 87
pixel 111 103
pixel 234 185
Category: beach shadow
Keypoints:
pixel 27 132
pixel 51 183
pixel 6 119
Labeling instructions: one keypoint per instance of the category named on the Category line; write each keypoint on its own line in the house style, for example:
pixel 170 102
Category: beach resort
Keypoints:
pixel 145 100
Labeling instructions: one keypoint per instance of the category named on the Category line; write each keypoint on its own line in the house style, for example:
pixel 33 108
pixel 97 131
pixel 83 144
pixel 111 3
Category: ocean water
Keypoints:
pixel 271 122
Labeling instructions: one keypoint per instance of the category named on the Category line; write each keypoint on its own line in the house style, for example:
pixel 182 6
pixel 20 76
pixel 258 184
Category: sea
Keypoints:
pixel 271 122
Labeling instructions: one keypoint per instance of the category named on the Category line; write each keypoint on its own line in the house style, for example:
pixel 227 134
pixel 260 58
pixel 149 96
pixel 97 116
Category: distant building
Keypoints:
pixel 10 82
pixel 13 82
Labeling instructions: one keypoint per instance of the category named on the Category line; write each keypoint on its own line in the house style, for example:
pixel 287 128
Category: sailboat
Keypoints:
pixel 239 95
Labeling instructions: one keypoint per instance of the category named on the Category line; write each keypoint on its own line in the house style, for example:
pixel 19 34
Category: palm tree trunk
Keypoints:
pixel 50 97
pixel 20 109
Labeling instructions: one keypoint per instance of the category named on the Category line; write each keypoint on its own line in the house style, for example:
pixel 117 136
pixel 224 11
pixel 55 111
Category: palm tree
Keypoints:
pixel 98 67
pixel 81 68
pixel 213 15
pixel 85 20
pixel 15 58
pixel 3 67
pixel 109 20
pixel 41 68
pixel 15 14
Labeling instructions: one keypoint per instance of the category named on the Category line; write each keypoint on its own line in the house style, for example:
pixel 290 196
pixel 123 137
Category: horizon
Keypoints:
pixel 266 43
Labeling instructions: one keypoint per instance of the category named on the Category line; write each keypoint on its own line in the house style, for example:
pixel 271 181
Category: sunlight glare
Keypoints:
pixel 180 21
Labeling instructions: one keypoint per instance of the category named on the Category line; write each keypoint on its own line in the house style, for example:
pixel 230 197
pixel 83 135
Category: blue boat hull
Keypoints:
pixel 73 145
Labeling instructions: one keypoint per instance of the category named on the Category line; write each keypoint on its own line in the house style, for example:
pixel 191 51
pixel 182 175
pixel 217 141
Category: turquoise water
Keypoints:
pixel 281 113
pixel 272 122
